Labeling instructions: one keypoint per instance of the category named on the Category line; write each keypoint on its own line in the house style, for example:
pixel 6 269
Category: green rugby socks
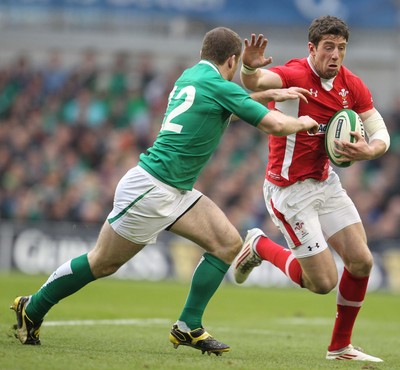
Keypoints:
pixel 66 280
pixel 206 279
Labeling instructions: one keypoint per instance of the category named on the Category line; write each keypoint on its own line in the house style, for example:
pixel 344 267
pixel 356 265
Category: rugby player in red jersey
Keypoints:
pixel 303 194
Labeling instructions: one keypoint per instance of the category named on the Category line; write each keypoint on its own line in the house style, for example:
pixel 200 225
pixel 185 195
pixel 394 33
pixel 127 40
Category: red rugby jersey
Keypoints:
pixel 301 156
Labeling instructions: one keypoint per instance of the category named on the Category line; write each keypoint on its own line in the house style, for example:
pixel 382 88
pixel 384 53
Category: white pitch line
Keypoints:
pixel 107 322
pixel 159 321
pixel 305 321
pixel 145 322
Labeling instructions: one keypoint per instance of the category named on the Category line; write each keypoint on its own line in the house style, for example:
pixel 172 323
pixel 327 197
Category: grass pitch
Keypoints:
pixel 118 324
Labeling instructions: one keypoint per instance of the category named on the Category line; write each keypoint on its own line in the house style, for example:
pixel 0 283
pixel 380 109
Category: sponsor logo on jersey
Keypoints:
pixel 321 130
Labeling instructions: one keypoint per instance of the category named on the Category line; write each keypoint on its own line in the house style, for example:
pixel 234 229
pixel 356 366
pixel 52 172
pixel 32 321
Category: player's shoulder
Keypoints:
pixel 204 76
pixel 200 70
pixel 297 62
pixel 292 64
pixel 295 72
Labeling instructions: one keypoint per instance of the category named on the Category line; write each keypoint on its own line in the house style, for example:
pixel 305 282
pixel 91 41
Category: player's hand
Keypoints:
pixel 291 93
pixel 310 124
pixel 357 151
pixel 253 54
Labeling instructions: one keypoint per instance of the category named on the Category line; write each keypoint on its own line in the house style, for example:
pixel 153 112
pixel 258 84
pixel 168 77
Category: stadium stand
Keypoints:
pixel 67 134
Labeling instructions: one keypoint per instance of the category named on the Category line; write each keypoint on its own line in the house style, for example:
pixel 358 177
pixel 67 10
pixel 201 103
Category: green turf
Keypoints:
pixel 266 329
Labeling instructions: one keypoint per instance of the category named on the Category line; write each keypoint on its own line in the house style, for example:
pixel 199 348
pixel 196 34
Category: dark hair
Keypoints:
pixel 327 25
pixel 219 44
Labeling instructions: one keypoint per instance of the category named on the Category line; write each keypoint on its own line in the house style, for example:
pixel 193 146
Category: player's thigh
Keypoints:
pixel 144 206
pixel 319 272
pixel 338 210
pixel 295 211
pixel 306 240
pixel 351 245
pixel 206 225
pixel 310 249
pixel 345 232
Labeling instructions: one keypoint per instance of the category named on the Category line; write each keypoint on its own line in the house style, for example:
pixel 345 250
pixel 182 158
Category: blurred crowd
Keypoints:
pixel 68 134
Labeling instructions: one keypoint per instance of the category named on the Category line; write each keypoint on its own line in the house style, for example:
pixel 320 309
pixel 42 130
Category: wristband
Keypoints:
pixel 248 70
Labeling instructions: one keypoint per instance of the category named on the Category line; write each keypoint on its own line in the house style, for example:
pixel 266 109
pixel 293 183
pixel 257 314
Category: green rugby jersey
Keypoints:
pixel 199 110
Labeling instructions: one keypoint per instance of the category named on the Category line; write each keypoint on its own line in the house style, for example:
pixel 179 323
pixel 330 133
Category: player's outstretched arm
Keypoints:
pixel 253 53
pixel 266 96
pixel 252 75
pixel 279 124
pixel 279 95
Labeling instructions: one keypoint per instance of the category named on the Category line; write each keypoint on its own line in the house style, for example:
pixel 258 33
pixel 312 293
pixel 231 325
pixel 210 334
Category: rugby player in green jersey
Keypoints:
pixel 158 193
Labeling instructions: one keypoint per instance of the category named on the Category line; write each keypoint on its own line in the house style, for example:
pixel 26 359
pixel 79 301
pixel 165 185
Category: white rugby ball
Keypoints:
pixel 338 128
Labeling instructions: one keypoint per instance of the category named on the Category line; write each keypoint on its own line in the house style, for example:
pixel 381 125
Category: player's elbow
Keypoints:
pixel 381 142
pixel 377 132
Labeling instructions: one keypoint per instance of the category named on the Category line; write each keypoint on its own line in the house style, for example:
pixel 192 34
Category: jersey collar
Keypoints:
pixel 203 61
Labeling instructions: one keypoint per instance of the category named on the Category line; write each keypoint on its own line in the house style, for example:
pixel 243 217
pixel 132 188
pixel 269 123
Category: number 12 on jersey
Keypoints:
pixel 167 124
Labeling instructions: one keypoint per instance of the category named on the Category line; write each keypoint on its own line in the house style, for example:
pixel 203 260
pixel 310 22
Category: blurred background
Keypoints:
pixel 83 88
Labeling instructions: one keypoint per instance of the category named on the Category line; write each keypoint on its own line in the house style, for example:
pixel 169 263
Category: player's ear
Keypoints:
pixel 232 61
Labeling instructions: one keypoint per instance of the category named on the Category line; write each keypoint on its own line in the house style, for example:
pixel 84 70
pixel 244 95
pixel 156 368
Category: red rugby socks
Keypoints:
pixel 280 257
pixel 350 296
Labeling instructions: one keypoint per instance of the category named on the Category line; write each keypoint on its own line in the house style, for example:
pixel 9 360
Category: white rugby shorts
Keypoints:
pixel 145 206
pixel 309 212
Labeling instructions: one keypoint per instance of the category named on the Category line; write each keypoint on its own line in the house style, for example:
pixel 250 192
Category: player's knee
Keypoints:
pixel 361 267
pixel 234 248
pixel 323 286
pixel 101 268
pixel 230 247
pixel 107 270
pixel 237 245
pixel 325 289
pixel 366 265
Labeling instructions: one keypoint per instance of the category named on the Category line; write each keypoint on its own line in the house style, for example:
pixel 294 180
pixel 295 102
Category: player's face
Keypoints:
pixel 328 56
